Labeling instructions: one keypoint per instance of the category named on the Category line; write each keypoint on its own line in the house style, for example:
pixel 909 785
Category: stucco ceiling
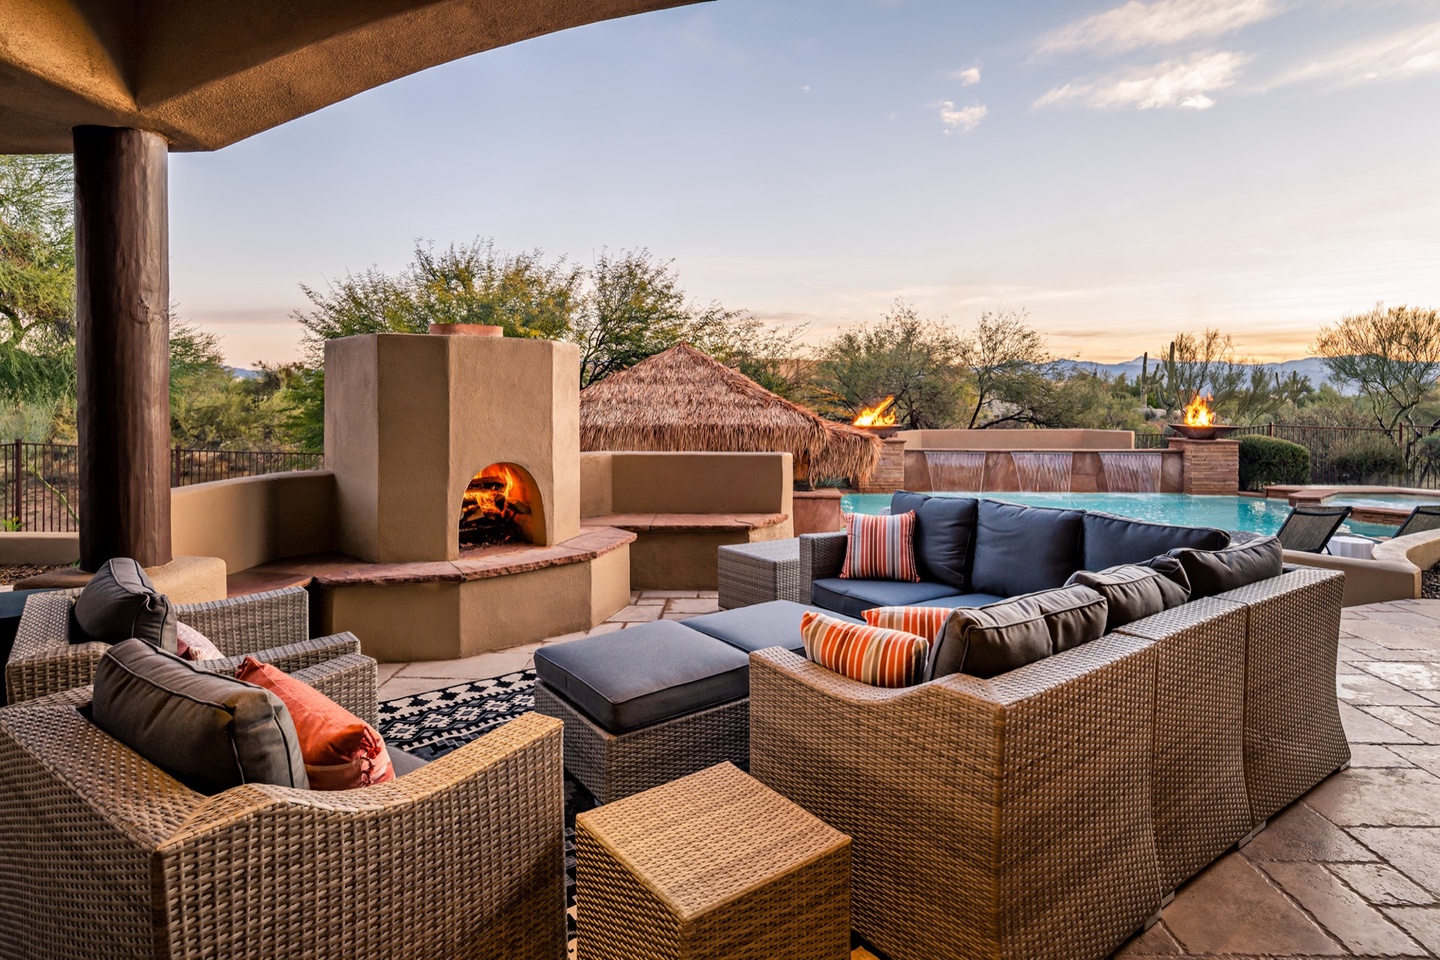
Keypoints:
pixel 206 73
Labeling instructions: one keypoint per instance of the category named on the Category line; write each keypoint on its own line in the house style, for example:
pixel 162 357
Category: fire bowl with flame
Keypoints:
pixel 1199 421
pixel 879 419
pixel 495 510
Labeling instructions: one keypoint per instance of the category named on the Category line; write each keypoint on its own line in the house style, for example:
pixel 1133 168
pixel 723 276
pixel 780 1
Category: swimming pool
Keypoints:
pixel 1227 513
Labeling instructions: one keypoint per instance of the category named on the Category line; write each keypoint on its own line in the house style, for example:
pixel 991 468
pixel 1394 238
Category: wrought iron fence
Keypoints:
pixel 40 482
pixel 1351 455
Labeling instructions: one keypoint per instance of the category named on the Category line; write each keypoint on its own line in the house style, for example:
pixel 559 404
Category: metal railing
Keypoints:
pixel 40 482
pixel 1338 454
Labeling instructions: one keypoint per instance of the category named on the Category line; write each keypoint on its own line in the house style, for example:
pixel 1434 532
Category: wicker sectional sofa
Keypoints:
pixel 1050 810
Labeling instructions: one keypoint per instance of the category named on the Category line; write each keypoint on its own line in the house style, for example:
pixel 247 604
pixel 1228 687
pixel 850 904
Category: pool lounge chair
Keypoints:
pixel 1423 518
pixel 1309 528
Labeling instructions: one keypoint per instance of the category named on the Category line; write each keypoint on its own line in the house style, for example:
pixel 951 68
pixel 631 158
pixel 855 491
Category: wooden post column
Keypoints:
pixel 122 250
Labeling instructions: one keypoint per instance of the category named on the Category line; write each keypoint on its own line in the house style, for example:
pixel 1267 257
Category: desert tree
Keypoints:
pixel 1392 356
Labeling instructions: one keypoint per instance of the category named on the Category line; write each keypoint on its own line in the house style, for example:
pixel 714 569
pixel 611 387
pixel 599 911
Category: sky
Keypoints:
pixel 1121 171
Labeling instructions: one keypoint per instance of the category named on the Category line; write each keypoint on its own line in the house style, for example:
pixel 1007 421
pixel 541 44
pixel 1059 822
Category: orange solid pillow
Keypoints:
pixel 341 751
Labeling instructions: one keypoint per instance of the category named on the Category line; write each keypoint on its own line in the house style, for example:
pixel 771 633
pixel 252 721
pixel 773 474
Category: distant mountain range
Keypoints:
pixel 1311 368
pixel 241 373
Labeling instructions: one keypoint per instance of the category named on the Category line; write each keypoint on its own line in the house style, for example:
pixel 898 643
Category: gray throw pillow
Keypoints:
pixel 999 637
pixel 1171 569
pixel 1216 571
pixel 1132 592
pixel 208 731
pixel 119 603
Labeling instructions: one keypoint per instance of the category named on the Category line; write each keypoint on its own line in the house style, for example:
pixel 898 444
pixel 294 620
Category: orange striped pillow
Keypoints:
pixel 881 658
pixel 924 622
pixel 880 547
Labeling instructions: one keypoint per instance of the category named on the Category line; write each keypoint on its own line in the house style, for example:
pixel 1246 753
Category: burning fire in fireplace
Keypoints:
pixel 879 415
pixel 495 509
pixel 1198 412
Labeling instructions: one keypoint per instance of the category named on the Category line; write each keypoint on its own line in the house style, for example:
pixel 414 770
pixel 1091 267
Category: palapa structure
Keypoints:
pixel 684 400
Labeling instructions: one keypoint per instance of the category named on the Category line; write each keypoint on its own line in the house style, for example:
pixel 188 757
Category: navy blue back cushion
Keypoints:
pixel 1111 541
pixel 944 533
pixel 1023 549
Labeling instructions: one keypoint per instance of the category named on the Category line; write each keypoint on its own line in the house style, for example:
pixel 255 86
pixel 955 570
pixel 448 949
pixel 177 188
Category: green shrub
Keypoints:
pixel 1367 459
pixel 1265 461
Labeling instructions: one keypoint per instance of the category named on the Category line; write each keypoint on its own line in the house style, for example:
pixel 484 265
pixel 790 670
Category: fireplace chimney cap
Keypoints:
pixel 466 330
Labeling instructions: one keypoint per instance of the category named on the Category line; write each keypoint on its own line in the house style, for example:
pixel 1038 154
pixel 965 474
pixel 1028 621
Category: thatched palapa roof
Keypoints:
pixel 684 400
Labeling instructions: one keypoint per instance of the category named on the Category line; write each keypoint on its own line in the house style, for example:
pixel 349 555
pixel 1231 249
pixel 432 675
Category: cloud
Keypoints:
pixel 964 119
pixel 967 77
pixel 1412 52
pixel 1161 22
pixel 1184 84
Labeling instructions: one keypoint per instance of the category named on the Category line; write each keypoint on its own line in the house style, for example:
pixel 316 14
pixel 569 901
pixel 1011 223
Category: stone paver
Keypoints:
pixel 1352 869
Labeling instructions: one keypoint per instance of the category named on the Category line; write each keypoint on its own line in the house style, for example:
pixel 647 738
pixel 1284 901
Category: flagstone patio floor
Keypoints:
pixel 1352 869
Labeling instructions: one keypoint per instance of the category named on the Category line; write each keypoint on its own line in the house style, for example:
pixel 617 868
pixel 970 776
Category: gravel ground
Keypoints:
pixel 1430 583
pixel 19 571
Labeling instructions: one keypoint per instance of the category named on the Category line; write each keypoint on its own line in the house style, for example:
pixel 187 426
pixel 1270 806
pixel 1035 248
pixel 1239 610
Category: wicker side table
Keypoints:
pixel 760 572
pixel 714 865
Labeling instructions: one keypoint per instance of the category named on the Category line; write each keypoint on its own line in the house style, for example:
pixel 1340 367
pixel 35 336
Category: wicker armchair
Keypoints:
pixel 1008 817
pixel 106 857
pixel 273 627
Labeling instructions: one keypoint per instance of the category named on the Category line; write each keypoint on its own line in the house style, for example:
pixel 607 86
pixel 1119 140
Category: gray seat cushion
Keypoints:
pixel 120 602
pixel 1022 549
pixel 1216 571
pixel 1111 541
pixel 854 597
pixel 402 762
pixel 961 600
pixel 944 534
pixel 773 624
pixel 1132 592
pixel 641 676
pixel 988 641
pixel 209 731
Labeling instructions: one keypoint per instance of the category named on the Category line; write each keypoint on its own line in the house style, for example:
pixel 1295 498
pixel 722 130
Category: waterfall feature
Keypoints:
pixel 1043 472
pixel 962 470
pixel 1131 472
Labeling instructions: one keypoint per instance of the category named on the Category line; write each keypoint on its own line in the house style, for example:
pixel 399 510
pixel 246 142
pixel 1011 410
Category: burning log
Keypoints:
pixel 492 508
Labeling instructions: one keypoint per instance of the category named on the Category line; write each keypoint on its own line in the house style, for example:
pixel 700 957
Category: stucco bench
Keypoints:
pixel 678 550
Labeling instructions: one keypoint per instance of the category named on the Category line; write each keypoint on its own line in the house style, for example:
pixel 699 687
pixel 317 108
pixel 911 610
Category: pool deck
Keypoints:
pixel 1352 869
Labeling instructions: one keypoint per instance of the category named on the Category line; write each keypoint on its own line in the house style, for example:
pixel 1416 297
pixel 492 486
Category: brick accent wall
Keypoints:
pixel 1211 466
pixel 889 476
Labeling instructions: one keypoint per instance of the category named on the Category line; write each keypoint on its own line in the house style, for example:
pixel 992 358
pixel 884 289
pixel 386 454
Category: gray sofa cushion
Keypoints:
pixel 1024 549
pixel 120 602
pixel 961 600
pixel 208 731
pixel 1111 541
pixel 1170 568
pixel 854 597
pixel 762 625
pixel 1215 571
pixel 944 534
pixel 641 676
pixel 402 762
pixel 991 640
pixel 1132 592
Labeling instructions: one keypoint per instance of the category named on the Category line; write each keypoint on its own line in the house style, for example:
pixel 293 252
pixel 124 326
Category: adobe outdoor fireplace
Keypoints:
pixel 446 443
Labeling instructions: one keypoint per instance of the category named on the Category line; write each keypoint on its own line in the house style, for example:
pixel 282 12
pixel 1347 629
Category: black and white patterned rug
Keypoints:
pixel 432 724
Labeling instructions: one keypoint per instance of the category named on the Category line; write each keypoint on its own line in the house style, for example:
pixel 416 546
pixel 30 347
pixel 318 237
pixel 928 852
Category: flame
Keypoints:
pixel 1198 412
pixel 876 416
pixel 494 508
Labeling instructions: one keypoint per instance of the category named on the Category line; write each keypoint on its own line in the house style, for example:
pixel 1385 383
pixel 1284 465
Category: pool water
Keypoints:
pixel 1227 513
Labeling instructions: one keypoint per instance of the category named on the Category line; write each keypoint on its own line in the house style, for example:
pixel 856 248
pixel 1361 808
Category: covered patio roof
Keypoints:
pixel 204 75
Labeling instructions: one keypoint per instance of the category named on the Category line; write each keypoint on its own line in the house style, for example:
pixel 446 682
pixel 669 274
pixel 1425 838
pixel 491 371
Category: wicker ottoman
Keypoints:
pixel 758 572
pixel 714 865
